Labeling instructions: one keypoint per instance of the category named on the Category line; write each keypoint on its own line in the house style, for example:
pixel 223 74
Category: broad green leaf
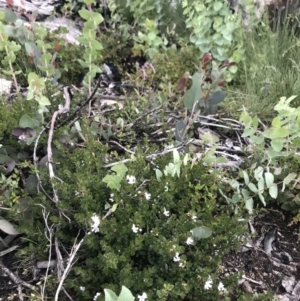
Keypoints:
pixel 158 174
pixel 43 101
pixel 258 139
pixel 217 97
pixel 27 122
pixel 176 156
pixel 246 177
pixel 246 119
pixel 125 295
pixel 262 199
pixel 276 133
pixel 209 138
pixel 194 93
pixel 186 159
pixel 261 185
pixel 110 295
pixel 249 205
pixel 253 188
pixel 8 228
pixel 276 123
pixel 287 180
pixel 258 173
pixel 113 181
pixel 269 177
pixel 248 132
pixel 201 232
pixel 255 122
pixel 273 191
pixel 120 169
pixel 277 144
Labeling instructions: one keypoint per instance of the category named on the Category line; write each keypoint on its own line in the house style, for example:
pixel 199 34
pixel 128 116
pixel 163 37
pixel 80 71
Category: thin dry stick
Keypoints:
pixel 15 278
pixel 62 110
pixel 68 267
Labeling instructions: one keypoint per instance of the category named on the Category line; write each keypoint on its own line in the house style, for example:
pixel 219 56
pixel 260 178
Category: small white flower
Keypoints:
pixel 143 297
pixel 96 223
pixel 221 287
pixel 208 283
pixel 1 145
pixel 82 288
pixel 76 193
pixel 134 228
pixel 189 241
pixel 176 258
pixel 194 217
pixel 131 179
pixel 147 196
pixel 166 212
pixel 96 296
pixel 111 197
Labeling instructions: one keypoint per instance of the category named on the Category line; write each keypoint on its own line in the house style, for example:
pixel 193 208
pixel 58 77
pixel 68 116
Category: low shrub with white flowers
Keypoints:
pixel 146 243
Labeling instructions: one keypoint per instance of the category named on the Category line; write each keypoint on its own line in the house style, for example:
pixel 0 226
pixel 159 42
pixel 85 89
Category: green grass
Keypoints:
pixel 269 71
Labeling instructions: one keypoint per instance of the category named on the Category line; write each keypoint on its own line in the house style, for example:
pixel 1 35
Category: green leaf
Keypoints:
pixel 176 156
pixel 110 295
pixel 158 174
pixel 151 36
pixel 201 232
pixel 276 123
pixel 262 198
pixel 246 177
pixel 114 207
pixel 43 101
pixel 85 14
pixel 2 15
pixel 125 295
pixel 113 181
pixel 209 138
pixel 4 159
pixel 255 122
pixel 288 179
pixel 27 122
pixel 249 205
pixel 120 169
pixel 180 131
pixel 246 119
pixel 277 144
pixel 218 5
pixel 273 191
pixel 258 173
pixel 276 133
pixel 248 132
pixel 8 228
pixel 194 93
pixel 217 97
pixel 269 177
pixel 253 188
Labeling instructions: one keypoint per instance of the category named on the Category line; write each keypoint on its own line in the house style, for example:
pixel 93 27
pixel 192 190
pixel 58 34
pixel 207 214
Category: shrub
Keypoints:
pixel 156 259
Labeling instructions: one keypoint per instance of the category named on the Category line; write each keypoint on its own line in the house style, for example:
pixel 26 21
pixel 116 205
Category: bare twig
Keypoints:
pixel 15 278
pixel 74 251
